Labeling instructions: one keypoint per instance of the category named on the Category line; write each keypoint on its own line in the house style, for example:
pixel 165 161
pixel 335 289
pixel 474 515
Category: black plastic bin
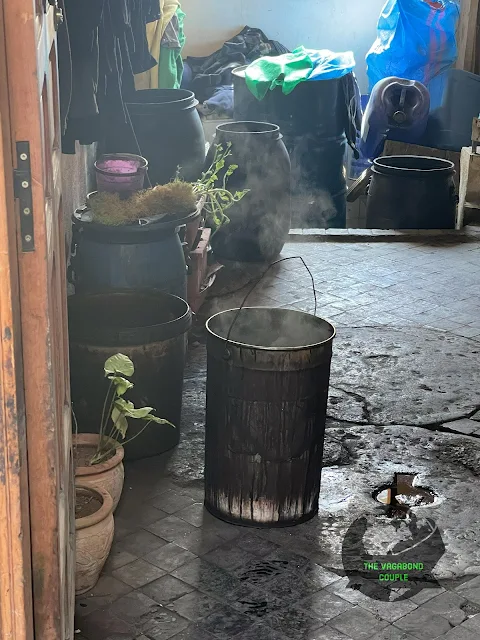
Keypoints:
pixel 312 119
pixel 412 192
pixel 151 329
pixel 167 131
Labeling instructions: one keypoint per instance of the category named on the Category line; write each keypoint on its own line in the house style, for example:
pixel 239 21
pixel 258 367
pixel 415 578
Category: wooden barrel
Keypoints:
pixel 267 391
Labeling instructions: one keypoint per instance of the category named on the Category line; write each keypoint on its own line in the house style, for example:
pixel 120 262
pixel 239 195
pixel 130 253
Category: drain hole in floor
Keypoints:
pixel 402 494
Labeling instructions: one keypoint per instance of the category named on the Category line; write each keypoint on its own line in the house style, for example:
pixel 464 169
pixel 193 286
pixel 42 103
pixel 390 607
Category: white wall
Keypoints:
pixel 339 25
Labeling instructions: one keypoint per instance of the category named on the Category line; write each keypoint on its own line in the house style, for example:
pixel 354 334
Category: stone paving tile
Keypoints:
pixel 472 624
pixel 358 623
pixel 389 611
pixel 141 542
pixel 171 529
pixel 169 557
pixel 326 633
pixel 138 573
pixel 124 527
pixel 257 545
pixel 134 608
pixel 102 625
pixel 201 541
pixel 195 514
pixel 293 623
pixel 258 602
pixel 207 577
pixel 225 623
pixel 171 501
pixel 261 632
pixel 229 556
pixel 392 633
pixel 470 590
pixel 194 606
pixel 427 594
pixel 166 589
pixel 459 634
pixel 194 632
pixel 325 605
pixel 118 558
pixel 465 426
pixel 140 513
pixel 164 625
pixel 449 606
pixel 106 591
pixel 424 624
pixel 290 587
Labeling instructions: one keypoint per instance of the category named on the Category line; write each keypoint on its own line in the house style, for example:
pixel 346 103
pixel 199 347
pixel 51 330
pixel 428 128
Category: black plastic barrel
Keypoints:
pixel 168 133
pixel 412 192
pixel 312 119
pixel 150 328
pixel 128 257
pixel 260 222
pixel 267 390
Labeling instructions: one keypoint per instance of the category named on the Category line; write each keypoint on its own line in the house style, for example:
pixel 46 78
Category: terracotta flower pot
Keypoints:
pixel 108 475
pixel 94 535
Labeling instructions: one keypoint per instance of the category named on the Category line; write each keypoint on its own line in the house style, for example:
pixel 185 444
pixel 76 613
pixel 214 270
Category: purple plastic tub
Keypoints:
pixel 120 172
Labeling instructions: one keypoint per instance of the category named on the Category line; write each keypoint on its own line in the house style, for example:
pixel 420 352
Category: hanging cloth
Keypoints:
pixel 155 32
pixel 170 67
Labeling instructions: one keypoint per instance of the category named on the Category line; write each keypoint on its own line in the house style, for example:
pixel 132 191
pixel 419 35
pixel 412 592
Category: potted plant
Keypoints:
pixel 94 528
pixel 99 456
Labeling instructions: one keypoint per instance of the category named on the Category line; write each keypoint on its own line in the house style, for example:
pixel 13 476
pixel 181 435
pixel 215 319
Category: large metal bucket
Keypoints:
pixel 267 390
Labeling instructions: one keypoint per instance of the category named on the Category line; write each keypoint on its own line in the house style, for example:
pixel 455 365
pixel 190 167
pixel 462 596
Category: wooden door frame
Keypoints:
pixel 42 296
pixel 16 607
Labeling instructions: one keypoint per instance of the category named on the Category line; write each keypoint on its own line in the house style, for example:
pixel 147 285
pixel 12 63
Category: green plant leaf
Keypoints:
pixel 121 364
pixel 160 420
pixel 121 384
pixel 140 414
pixel 128 408
pixel 120 422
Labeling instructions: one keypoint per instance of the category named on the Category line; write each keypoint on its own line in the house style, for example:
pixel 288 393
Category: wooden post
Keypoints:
pixel 467 35
pixel 475 134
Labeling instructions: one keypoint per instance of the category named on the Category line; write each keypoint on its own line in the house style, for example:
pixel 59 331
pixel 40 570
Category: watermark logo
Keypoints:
pixel 401 568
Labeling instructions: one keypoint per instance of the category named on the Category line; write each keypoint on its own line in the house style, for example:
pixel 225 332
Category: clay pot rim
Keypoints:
pixel 91 439
pixel 100 515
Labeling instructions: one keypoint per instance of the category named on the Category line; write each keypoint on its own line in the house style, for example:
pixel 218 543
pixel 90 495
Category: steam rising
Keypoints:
pixel 272 328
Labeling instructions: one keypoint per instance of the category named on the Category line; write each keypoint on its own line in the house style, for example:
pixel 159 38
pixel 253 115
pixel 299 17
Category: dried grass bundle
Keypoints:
pixel 174 200
pixel 110 209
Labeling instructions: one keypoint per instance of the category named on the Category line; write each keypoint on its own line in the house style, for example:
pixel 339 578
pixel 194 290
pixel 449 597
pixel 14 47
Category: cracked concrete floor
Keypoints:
pixel 404 398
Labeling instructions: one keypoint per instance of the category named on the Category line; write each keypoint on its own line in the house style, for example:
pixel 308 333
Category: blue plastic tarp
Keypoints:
pixel 329 65
pixel 416 40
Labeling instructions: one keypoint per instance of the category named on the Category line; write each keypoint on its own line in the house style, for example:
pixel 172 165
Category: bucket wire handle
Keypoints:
pixel 125 107
pixel 255 285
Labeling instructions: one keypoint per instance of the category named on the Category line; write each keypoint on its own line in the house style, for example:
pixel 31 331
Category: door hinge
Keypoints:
pixel 23 192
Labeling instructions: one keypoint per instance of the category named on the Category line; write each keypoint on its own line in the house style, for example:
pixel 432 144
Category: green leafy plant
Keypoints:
pixel 213 188
pixel 117 410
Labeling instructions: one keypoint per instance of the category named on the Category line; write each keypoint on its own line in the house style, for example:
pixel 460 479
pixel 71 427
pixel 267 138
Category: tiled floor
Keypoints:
pixel 176 572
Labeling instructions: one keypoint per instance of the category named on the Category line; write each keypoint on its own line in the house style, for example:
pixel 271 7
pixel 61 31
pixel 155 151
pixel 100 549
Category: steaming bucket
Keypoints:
pixel 267 389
